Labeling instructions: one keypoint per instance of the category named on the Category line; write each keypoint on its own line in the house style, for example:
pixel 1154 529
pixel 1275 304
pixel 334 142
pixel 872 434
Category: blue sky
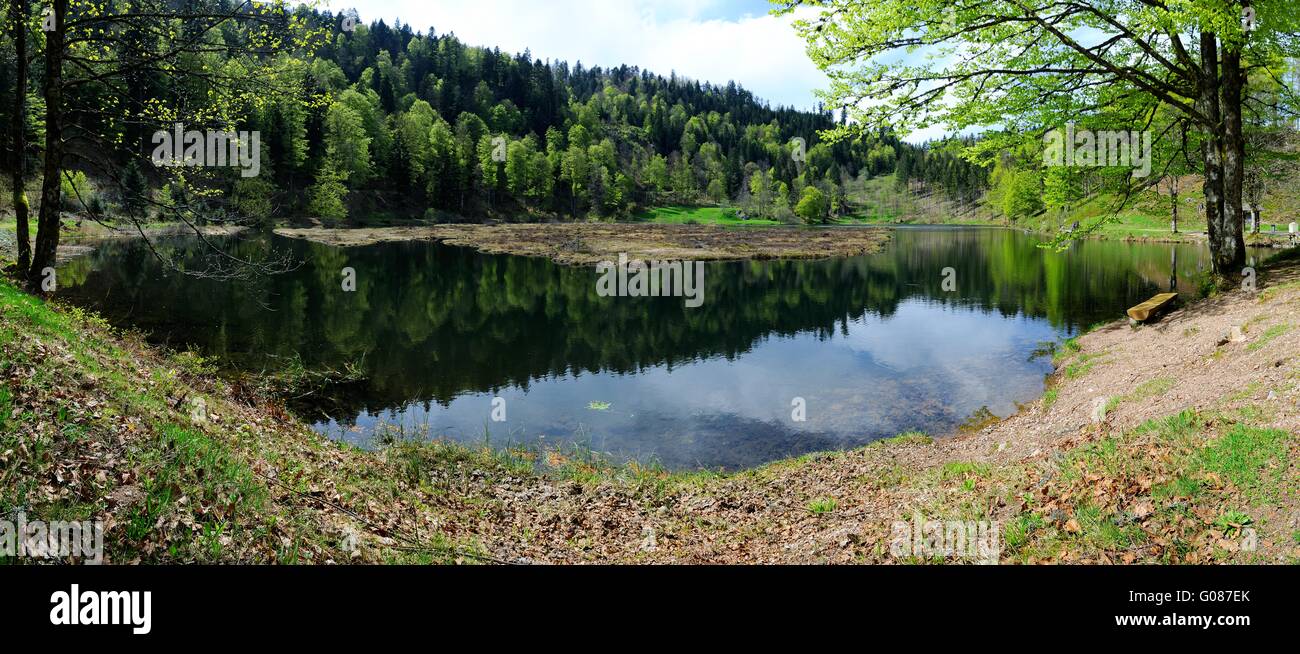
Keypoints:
pixel 708 40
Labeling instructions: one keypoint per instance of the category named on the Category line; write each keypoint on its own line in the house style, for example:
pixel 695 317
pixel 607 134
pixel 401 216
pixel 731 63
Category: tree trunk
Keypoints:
pixel 1173 203
pixel 1173 269
pixel 18 131
pixel 1230 255
pixel 47 230
pixel 1207 102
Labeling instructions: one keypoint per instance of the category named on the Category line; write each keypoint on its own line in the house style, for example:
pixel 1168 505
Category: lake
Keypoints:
pixel 860 348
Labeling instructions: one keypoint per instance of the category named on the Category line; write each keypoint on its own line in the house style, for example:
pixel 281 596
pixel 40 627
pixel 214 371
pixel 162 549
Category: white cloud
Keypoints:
pixel 758 51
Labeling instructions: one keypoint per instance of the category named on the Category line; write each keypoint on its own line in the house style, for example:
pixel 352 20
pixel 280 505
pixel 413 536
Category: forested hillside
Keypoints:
pixel 376 121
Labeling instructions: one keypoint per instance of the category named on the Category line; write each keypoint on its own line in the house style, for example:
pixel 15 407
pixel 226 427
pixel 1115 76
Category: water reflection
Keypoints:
pixel 873 344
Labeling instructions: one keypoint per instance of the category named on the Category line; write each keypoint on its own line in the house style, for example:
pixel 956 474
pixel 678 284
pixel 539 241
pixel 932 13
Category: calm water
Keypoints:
pixel 873 345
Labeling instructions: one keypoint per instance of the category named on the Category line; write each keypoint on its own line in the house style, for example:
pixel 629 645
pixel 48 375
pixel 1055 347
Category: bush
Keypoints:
pixel 814 206
pixel 76 189
pixel 325 198
pixel 253 197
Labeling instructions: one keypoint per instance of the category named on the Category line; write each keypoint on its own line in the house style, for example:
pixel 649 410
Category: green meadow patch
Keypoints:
pixel 681 215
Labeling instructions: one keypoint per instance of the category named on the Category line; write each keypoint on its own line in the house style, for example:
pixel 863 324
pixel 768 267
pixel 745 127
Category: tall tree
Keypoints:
pixel 1032 65
pixel 209 64
pixel 18 133
pixel 47 222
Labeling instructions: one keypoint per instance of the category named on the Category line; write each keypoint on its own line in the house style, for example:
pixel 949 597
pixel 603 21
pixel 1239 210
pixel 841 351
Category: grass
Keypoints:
pixel 10 225
pixel 822 506
pixel 1175 490
pixel 1146 390
pixel 683 215
pixel 963 470
pixel 1145 218
pixel 1232 522
pixel 1067 349
pixel 1134 494
pixel 1152 388
pixel 1251 458
pixel 1182 486
pixel 1083 365
pixel 1268 335
pixel 1271 292
pixel 107 433
pixel 911 437
pixel 1050 397
pixel 192 466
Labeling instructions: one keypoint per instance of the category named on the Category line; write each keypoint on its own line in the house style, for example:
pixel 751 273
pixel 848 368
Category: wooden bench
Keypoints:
pixel 1151 308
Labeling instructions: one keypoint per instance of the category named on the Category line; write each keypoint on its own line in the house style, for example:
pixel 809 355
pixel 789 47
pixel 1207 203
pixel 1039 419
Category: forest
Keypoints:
pixel 361 120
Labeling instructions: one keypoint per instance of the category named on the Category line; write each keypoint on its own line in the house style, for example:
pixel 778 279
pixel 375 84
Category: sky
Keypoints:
pixel 708 40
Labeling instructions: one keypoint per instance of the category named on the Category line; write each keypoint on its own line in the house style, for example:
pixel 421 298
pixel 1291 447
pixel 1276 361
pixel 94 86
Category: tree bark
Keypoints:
pixel 1173 203
pixel 47 230
pixel 18 131
pixel 1207 103
pixel 1230 255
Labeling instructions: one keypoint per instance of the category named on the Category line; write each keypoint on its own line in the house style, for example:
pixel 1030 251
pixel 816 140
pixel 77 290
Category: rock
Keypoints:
pixel 1236 335
pixel 1099 409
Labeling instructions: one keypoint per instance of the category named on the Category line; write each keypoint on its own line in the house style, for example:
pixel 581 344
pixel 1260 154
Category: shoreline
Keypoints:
pixel 79 241
pixel 96 232
pixel 593 243
pixel 1055 480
